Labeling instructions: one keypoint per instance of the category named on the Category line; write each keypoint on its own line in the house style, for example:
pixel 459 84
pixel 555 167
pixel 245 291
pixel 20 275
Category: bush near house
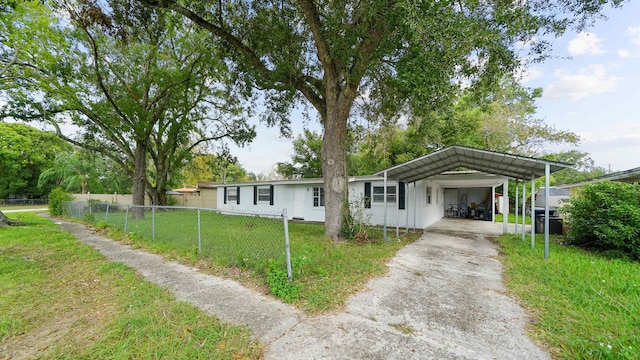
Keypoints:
pixel 56 197
pixel 606 217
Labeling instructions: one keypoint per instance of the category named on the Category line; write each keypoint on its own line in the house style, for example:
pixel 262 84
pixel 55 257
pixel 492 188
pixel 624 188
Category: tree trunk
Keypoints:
pixel 139 179
pixel 4 221
pixel 334 167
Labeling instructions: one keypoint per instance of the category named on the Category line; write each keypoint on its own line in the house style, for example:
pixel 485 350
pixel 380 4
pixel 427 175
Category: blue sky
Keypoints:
pixel 591 86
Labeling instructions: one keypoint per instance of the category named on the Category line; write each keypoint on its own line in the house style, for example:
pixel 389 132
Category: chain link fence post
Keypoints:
pixel 286 242
pixel 199 233
pixel 126 218
pixel 153 222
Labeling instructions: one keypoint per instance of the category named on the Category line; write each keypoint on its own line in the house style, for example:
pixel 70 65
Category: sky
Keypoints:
pixel 591 86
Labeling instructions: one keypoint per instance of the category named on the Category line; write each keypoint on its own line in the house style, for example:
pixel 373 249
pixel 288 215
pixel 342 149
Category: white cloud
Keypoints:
pixel 633 33
pixel 529 74
pixel 624 53
pixel 616 146
pixel 585 82
pixel 585 43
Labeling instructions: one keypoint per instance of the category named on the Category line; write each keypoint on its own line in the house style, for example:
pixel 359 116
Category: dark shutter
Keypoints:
pixel 225 195
pixel 367 195
pixel 271 195
pixel 401 195
pixel 238 195
pixel 255 195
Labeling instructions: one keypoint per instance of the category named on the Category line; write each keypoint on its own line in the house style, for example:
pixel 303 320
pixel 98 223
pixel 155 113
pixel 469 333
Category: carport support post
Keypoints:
pixel 524 204
pixel 415 197
pixel 505 206
pixel 547 173
pixel 384 225
pixel 493 204
pixel 533 211
pixel 398 209
pixel 406 208
pixel 515 230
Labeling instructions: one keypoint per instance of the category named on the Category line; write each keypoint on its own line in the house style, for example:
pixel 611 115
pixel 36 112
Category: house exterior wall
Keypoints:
pixel 420 210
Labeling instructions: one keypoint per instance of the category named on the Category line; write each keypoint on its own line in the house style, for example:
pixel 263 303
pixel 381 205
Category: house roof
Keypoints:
pixel 305 181
pixel 553 191
pixel 453 157
pixel 186 190
pixel 631 175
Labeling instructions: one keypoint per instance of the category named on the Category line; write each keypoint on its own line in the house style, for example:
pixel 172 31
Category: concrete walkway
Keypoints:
pixel 24 210
pixel 443 298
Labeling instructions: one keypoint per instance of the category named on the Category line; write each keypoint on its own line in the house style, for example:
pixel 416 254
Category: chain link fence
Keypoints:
pixel 231 238
pixel 23 202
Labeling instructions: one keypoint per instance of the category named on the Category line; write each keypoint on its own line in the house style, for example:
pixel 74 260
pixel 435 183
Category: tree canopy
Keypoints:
pixel 221 168
pixel 25 152
pixel 401 57
pixel 140 88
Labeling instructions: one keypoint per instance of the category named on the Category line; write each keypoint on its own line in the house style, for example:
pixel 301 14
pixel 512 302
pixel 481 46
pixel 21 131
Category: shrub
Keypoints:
pixel 355 220
pixel 606 216
pixel 56 197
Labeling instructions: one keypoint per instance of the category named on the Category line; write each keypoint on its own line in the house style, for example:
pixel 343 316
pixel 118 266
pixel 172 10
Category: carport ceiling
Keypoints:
pixel 512 166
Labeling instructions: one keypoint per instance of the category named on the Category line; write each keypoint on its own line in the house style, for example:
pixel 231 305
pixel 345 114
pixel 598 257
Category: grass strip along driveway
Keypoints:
pixel 584 306
pixel 325 272
pixel 61 299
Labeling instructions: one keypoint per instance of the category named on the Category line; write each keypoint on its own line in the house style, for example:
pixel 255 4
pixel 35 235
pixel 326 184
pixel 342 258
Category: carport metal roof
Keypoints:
pixel 512 166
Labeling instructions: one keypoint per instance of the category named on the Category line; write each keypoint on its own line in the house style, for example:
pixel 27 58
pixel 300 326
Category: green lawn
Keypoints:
pixel 23 207
pixel 251 250
pixel 66 299
pixel 512 219
pixel 584 306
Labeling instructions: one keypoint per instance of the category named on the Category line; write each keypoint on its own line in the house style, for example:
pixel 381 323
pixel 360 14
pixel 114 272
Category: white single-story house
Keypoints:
pixel 414 194
pixel 416 205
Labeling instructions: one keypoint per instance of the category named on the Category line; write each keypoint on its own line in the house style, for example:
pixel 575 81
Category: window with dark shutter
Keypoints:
pixel 255 195
pixel 225 195
pixel 238 195
pixel 271 191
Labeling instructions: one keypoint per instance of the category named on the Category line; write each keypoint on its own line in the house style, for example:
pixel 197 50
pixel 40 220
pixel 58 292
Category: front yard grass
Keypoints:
pixel 584 306
pixel 325 272
pixel 512 219
pixel 62 299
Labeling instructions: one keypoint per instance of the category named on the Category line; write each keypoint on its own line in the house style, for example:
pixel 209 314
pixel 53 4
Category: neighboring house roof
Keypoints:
pixel 186 190
pixel 491 162
pixel 631 175
pixel 554 191
pixel 207 184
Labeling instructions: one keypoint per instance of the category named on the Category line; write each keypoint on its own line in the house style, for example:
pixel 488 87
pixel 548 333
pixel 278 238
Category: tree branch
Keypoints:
pixel 301 83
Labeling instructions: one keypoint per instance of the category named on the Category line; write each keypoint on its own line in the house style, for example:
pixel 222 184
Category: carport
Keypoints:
pixel 515 167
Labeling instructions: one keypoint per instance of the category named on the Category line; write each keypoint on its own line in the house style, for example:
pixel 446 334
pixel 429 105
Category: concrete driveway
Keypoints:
pixel 443 298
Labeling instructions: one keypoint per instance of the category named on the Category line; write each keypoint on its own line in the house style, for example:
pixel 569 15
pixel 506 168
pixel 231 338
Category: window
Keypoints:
pixel 378 194
pixel 429 194
pixel 318 197
pixel 232 194
pixel 264 194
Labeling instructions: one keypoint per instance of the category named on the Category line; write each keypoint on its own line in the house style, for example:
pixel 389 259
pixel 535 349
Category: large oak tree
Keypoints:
pixel 402 55
pixel 141 88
